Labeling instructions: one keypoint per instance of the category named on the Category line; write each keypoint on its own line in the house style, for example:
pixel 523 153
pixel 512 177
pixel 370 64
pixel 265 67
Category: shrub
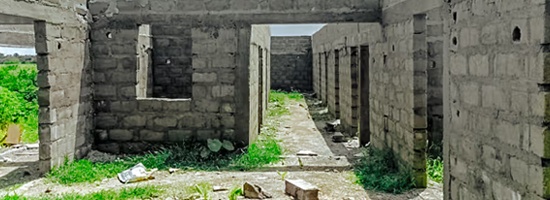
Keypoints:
pixel 379 171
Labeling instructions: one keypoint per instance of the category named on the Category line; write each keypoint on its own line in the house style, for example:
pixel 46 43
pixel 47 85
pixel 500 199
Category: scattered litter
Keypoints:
pixel 332 126
pixel 14 135
pixel 219 189
pixel 338 137
pixel 253 191
pixel 354 143
pixel 359 155
pixel 317 103
pixel 32 146
pixel 173 170
pixel 306 153
pixel 135 174
pixel 301 190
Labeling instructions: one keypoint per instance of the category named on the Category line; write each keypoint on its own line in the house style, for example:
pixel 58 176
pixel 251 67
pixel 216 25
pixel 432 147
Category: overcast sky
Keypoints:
pixel 295 29
pixel 276 30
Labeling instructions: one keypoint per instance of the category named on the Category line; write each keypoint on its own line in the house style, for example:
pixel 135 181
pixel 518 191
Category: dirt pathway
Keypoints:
pixel 299 132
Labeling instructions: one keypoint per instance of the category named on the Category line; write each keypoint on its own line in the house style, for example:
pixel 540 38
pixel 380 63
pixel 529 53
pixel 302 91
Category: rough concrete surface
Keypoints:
pixel 405 74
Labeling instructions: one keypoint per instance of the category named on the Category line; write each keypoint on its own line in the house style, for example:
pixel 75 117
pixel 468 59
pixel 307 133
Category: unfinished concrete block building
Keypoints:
pixel 125 75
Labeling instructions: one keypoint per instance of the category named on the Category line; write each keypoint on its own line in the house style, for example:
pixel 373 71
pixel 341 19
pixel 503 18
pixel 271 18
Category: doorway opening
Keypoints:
pixel 18 85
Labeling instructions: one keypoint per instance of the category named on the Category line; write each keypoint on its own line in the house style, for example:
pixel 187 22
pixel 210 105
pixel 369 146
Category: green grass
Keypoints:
pixel 235 193
pixel 19 101
pixel 146 192
pixel 378 171
pixel 278 101
pixel 85 171
pixel 265 150
pixel 435 169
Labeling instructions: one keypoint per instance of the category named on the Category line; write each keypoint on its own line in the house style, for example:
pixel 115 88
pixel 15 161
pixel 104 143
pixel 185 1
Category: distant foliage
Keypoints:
pixel 18 88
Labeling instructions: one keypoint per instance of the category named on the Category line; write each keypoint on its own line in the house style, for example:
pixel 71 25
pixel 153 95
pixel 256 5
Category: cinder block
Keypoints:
pixel 121 135
pixel 301 190
pixel 151 136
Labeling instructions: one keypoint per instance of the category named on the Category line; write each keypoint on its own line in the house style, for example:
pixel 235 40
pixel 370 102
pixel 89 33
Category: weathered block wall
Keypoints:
pixel 172 61
pixel 397 121
pixel 435 37
pixel 292 63
pixel 222 103
pixel 349 90
pixel 144 85
pixel 258 68
pixel 342 91
pixel 124 122
pixel 496 139
pixel 64 76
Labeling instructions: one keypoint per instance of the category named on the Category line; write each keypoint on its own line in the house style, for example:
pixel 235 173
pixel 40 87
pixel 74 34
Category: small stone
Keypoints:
pixel 173 170
pixel 32 146
pixel 338 137
pixel 306 153
pixel 253 191
pixel 219 189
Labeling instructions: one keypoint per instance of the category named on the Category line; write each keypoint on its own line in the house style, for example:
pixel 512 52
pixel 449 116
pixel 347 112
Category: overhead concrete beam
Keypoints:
pixel 53 11
pixel 17 36
pixel 247 11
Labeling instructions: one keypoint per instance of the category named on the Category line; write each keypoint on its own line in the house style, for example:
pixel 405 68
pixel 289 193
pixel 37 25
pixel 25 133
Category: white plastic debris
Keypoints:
pixel 135 174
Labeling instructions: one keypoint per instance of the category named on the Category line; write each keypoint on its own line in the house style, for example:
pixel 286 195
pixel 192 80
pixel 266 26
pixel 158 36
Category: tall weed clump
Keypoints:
pixel 379 171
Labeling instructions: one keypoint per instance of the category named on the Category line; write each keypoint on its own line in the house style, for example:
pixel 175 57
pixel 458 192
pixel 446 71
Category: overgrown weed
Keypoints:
pixel 379 171
pixel 435 169
pixel 145 192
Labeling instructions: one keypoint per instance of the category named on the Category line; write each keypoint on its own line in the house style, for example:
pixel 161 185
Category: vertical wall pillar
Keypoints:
pixel 420 98
pixel 243 119
pixel 337 83
pixel 364 119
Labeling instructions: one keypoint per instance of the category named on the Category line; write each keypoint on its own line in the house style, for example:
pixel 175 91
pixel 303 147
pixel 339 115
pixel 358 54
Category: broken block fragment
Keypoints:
pixel 301 190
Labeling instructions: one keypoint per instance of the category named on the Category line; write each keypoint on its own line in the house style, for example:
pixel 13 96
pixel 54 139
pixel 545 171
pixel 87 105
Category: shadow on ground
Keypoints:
pixel 18 166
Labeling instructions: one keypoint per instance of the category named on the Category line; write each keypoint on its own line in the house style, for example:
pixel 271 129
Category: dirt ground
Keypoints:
pixel 329 170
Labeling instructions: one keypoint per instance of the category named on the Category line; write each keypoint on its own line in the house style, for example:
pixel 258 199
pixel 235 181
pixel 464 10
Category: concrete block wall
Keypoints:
pixel 398 119
pixel 172 61
pixel 496 106
pixel 222 75
pixel 292 63
pixel 349 89
pixel 259 76
pixel 64 75
pixel 336 83
pixel 435 36
pixel 144 85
